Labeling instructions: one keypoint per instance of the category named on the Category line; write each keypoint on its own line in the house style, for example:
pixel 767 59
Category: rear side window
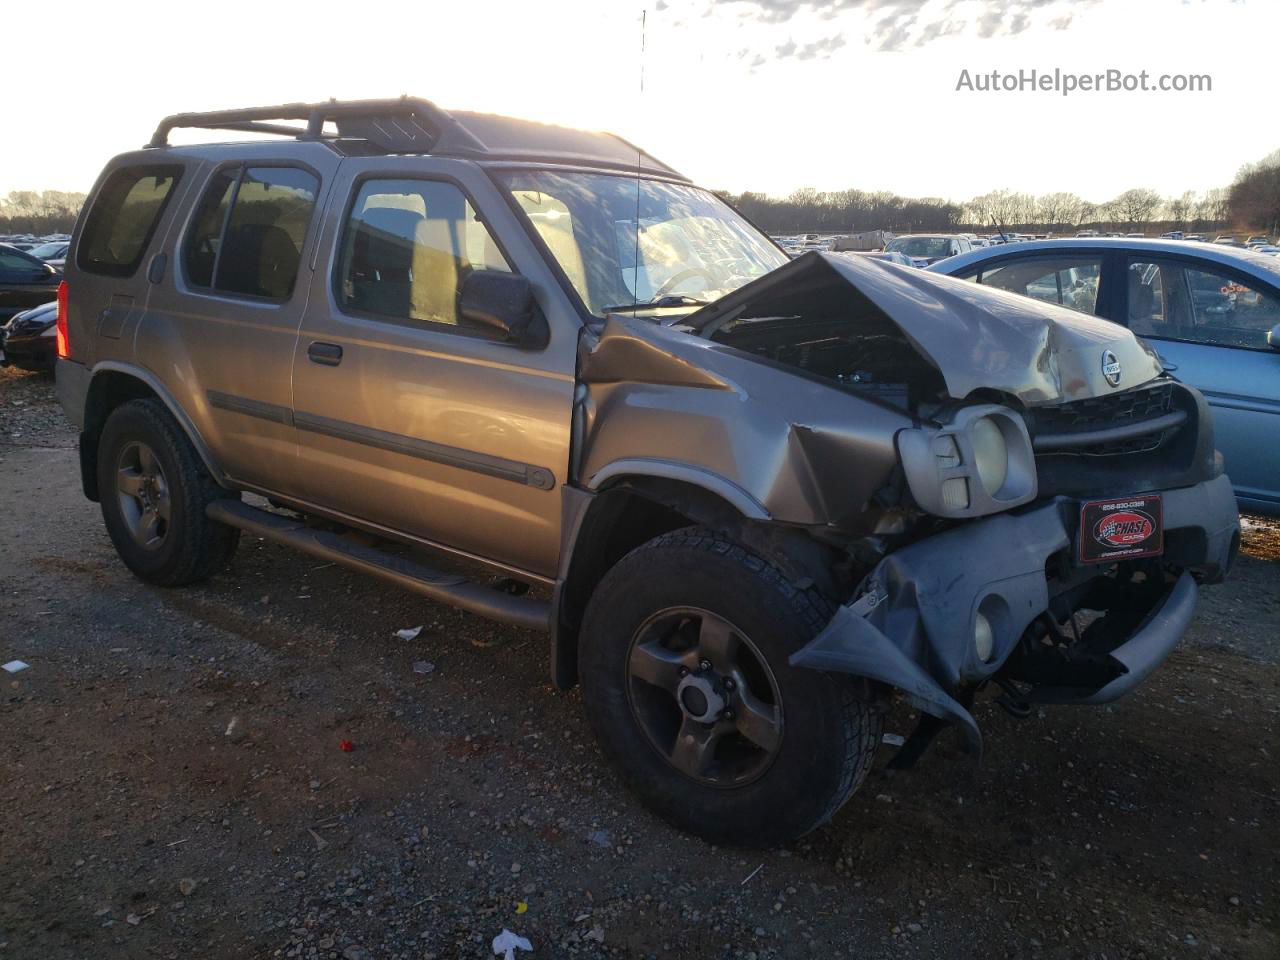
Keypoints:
pixel 123 219
pixel 248 231
pixel 1071 281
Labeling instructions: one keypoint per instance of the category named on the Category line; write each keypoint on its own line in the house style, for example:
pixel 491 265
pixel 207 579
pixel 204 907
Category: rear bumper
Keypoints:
pixel 31 351
pixel 914 628
pixel 73 389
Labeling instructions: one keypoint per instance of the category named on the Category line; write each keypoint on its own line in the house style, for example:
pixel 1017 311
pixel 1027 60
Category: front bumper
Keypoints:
pixel 914 627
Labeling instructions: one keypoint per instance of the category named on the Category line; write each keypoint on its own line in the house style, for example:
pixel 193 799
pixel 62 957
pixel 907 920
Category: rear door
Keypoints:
pixel 221 331
pixel 1209 324
pixel 407 418
pixel 132 205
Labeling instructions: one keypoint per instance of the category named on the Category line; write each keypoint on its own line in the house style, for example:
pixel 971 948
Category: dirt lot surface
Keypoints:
pixel 173 783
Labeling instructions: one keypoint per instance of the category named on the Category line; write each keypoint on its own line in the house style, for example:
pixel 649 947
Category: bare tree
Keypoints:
pixel 1058 209
pixel 1181 207
pixel 1254 196
pixel 1136 206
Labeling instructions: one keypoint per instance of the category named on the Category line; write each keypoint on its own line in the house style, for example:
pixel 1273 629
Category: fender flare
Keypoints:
pixel 740 499
pixel 159 389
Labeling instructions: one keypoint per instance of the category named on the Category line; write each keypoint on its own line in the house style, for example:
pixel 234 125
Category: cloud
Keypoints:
pixel 896 24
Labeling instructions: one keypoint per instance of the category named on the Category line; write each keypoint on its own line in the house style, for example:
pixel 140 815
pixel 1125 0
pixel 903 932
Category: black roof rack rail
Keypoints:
pixel 403 125
pixel 413 125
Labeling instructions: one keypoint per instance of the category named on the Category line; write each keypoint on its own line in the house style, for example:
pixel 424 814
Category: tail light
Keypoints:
pixel 63 344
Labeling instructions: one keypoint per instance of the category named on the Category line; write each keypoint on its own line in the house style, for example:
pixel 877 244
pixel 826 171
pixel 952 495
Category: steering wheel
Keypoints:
pixel 682 276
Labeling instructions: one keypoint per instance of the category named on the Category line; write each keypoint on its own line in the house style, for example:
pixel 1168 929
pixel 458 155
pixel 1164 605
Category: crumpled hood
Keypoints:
pixel 976 336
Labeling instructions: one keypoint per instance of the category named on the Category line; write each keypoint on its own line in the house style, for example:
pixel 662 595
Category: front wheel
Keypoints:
pixel 683 660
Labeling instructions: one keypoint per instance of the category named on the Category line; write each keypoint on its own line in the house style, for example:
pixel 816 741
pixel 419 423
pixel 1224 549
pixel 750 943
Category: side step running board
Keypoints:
pixel 446 588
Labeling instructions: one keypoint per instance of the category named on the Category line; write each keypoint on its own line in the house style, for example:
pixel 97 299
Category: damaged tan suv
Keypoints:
pixel 754 498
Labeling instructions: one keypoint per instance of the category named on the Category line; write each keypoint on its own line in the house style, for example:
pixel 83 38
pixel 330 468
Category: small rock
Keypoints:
pixel 187 886
pixel 516 868
pixel 596 934
pixel 356 952
pixel 600 838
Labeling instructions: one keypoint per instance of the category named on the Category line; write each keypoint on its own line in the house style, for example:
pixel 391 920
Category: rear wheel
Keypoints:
pixel 153 490
pixel 684 669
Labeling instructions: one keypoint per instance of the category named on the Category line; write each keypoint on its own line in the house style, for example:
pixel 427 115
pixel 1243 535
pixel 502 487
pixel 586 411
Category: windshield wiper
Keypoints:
pixel 672 300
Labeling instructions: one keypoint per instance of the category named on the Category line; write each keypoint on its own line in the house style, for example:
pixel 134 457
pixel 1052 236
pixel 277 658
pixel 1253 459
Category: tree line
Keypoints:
pixel 1251 202
pixel 40 212
pixel 852 211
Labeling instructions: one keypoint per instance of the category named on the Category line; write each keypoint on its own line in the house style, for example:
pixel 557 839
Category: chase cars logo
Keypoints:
pixel 1126 528
pixel 1111 368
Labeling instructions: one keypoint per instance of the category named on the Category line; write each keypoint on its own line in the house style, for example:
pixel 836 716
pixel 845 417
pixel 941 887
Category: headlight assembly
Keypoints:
pixel 980 462
pixel 990 454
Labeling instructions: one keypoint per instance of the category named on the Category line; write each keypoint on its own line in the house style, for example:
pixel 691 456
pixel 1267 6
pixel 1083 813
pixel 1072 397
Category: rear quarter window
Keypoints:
pixel 123 219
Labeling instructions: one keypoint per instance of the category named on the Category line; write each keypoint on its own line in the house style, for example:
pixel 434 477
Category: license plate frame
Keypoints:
pixel 1136 529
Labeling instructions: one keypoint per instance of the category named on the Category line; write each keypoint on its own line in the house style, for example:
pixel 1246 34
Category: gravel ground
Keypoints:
pixel 174 786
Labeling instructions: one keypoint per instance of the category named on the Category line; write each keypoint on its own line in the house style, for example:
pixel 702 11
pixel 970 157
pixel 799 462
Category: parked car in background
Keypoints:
pixel 892 256
pixel 1200 237
pixel 53 253
pixel 1257 239
pixel 1174 235
pixel 25 282
pixel 28 339
pixel 1228 242
pixel 1211 312
pixel 927 248
pixel 1267 248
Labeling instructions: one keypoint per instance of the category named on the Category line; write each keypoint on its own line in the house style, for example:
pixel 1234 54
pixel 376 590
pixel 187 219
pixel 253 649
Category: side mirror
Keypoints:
pixel 503 306
pixel 1273 337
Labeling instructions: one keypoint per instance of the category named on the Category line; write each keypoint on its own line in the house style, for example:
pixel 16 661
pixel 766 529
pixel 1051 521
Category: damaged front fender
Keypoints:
pixel 795 450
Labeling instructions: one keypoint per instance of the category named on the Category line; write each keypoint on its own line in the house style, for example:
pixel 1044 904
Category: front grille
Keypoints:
pixel 1096 413
pixel 1108 426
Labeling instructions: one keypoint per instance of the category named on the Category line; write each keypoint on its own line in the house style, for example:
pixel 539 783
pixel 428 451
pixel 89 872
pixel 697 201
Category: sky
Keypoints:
pixel 767 95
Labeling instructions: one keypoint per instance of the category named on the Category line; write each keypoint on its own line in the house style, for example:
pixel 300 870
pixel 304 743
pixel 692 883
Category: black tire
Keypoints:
pixel 829 724
pixel 189 547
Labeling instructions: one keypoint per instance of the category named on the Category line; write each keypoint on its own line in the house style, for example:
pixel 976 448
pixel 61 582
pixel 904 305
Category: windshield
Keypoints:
pixel 921 246
pixel 623 241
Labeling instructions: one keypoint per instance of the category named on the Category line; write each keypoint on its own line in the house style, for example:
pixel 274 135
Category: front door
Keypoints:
pixel 1209 325
pixel 408 418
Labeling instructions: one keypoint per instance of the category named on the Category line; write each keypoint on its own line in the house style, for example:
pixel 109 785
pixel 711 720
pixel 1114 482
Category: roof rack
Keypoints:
pixel 413 125
pixel 403 125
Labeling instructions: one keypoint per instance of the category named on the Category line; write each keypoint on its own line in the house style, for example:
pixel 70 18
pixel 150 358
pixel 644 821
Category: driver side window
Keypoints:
pixel 407 247
pixel 1176 301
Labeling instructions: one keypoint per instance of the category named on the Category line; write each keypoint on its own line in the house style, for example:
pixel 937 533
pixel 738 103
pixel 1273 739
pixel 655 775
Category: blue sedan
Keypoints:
pixel 1212 313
